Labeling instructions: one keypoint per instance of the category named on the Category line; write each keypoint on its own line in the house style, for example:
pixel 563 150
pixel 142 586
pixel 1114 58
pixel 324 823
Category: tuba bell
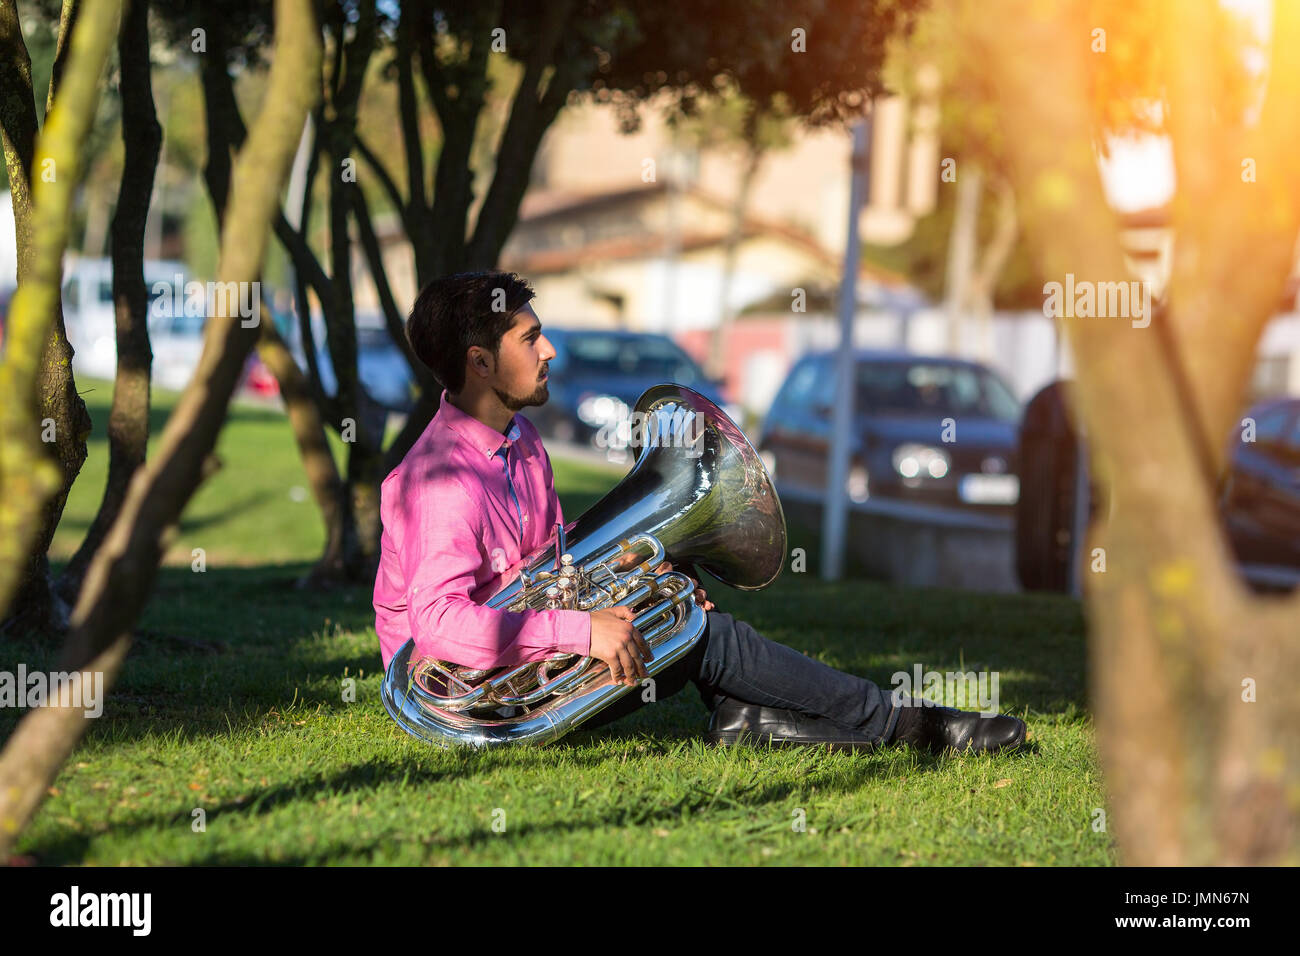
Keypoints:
pixel 696 494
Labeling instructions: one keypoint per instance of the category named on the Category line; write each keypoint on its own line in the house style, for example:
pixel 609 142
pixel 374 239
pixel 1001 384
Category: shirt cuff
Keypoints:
pixel 573 632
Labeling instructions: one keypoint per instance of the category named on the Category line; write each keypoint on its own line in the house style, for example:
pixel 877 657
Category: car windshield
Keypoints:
pixel 923 389
pixel 608 355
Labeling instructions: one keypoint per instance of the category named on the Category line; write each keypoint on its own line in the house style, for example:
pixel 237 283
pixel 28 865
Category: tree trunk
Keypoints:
pixel 128 421
pixel 29 480
pixel 365 435
pixel 317 459
pixel 1195 720
pixel 63 421
pixel 534 107
pixel 362 526
pixel 121 575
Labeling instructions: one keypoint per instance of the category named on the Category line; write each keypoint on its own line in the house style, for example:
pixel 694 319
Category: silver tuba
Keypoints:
pixel 697 494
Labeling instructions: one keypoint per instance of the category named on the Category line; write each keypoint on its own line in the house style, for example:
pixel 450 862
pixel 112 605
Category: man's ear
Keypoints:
pixel 478 362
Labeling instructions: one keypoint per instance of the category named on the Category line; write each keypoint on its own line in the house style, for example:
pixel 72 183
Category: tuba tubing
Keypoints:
pixel 545 724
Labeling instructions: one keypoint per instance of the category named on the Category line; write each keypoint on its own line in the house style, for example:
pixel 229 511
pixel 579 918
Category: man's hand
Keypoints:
pixel 620 645
pixel 701 596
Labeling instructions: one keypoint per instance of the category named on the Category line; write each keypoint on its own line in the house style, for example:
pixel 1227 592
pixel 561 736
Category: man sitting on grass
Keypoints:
pixel 475 494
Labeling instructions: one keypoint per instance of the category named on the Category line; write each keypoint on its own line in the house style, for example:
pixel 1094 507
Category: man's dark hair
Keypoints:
pixel 455 312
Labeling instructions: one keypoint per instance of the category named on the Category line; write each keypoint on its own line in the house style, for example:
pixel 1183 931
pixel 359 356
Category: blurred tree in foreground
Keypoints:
pixel 1196 727
pixel 120 577
pixel 64 421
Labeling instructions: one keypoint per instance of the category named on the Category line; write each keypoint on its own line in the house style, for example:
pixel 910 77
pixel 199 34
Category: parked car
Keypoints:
pixel 1260 493
pixel 897 447
pixel 177 344
pixel 597 376
pixel 257 381
pixel 175 332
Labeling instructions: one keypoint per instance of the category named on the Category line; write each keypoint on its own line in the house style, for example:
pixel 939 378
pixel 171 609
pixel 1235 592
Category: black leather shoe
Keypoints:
pixel 737 722
pixel 963 730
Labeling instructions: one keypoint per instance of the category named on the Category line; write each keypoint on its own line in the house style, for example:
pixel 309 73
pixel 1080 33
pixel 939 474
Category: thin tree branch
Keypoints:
pixel 67 21
pixel 408 107
pixel 385 180
pixel 392 314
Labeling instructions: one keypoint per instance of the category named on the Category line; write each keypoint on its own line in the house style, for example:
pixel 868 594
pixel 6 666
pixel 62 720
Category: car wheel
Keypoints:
pixel 1044 512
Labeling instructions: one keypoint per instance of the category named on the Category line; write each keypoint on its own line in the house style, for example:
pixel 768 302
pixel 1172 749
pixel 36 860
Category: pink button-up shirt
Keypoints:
pixel 463 508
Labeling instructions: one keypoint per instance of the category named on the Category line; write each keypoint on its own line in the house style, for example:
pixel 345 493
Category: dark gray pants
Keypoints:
pixel 733 660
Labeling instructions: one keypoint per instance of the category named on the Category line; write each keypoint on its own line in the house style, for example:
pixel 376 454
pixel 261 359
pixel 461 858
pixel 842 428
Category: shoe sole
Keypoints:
pixel 734 738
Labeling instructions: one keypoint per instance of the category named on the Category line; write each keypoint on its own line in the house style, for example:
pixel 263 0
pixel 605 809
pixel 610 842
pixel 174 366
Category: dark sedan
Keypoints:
pixel 1260 498
pixel 597 376
pixel 928 430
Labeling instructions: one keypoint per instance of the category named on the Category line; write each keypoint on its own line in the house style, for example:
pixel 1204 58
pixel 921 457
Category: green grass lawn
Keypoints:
pixel 231 703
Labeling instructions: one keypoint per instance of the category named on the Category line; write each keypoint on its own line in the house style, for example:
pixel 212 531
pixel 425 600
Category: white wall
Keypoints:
pixel 1282 338
pixel 8 242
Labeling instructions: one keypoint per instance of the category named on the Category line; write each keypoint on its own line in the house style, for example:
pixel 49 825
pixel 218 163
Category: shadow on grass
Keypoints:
pixel 189 523
pixel 696 799
pixel 249 636
pixel 98 395
pixel 242 647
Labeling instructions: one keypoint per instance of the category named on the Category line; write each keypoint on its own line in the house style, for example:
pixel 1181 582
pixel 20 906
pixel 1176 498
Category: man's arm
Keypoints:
pixel 439 556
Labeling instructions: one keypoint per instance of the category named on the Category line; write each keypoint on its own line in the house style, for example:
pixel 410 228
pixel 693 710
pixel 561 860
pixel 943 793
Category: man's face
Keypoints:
pixel 521 365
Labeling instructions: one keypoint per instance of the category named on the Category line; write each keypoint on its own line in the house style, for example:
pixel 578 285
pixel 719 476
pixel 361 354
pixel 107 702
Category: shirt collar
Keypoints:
pixel 484 439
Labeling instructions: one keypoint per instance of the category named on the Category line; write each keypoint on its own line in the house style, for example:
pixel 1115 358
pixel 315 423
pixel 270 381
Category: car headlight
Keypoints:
pixel 858 484
pixel 921 461
pixel 600 410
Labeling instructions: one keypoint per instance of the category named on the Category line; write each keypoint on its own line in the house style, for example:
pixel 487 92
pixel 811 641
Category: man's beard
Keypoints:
pixel 514 404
